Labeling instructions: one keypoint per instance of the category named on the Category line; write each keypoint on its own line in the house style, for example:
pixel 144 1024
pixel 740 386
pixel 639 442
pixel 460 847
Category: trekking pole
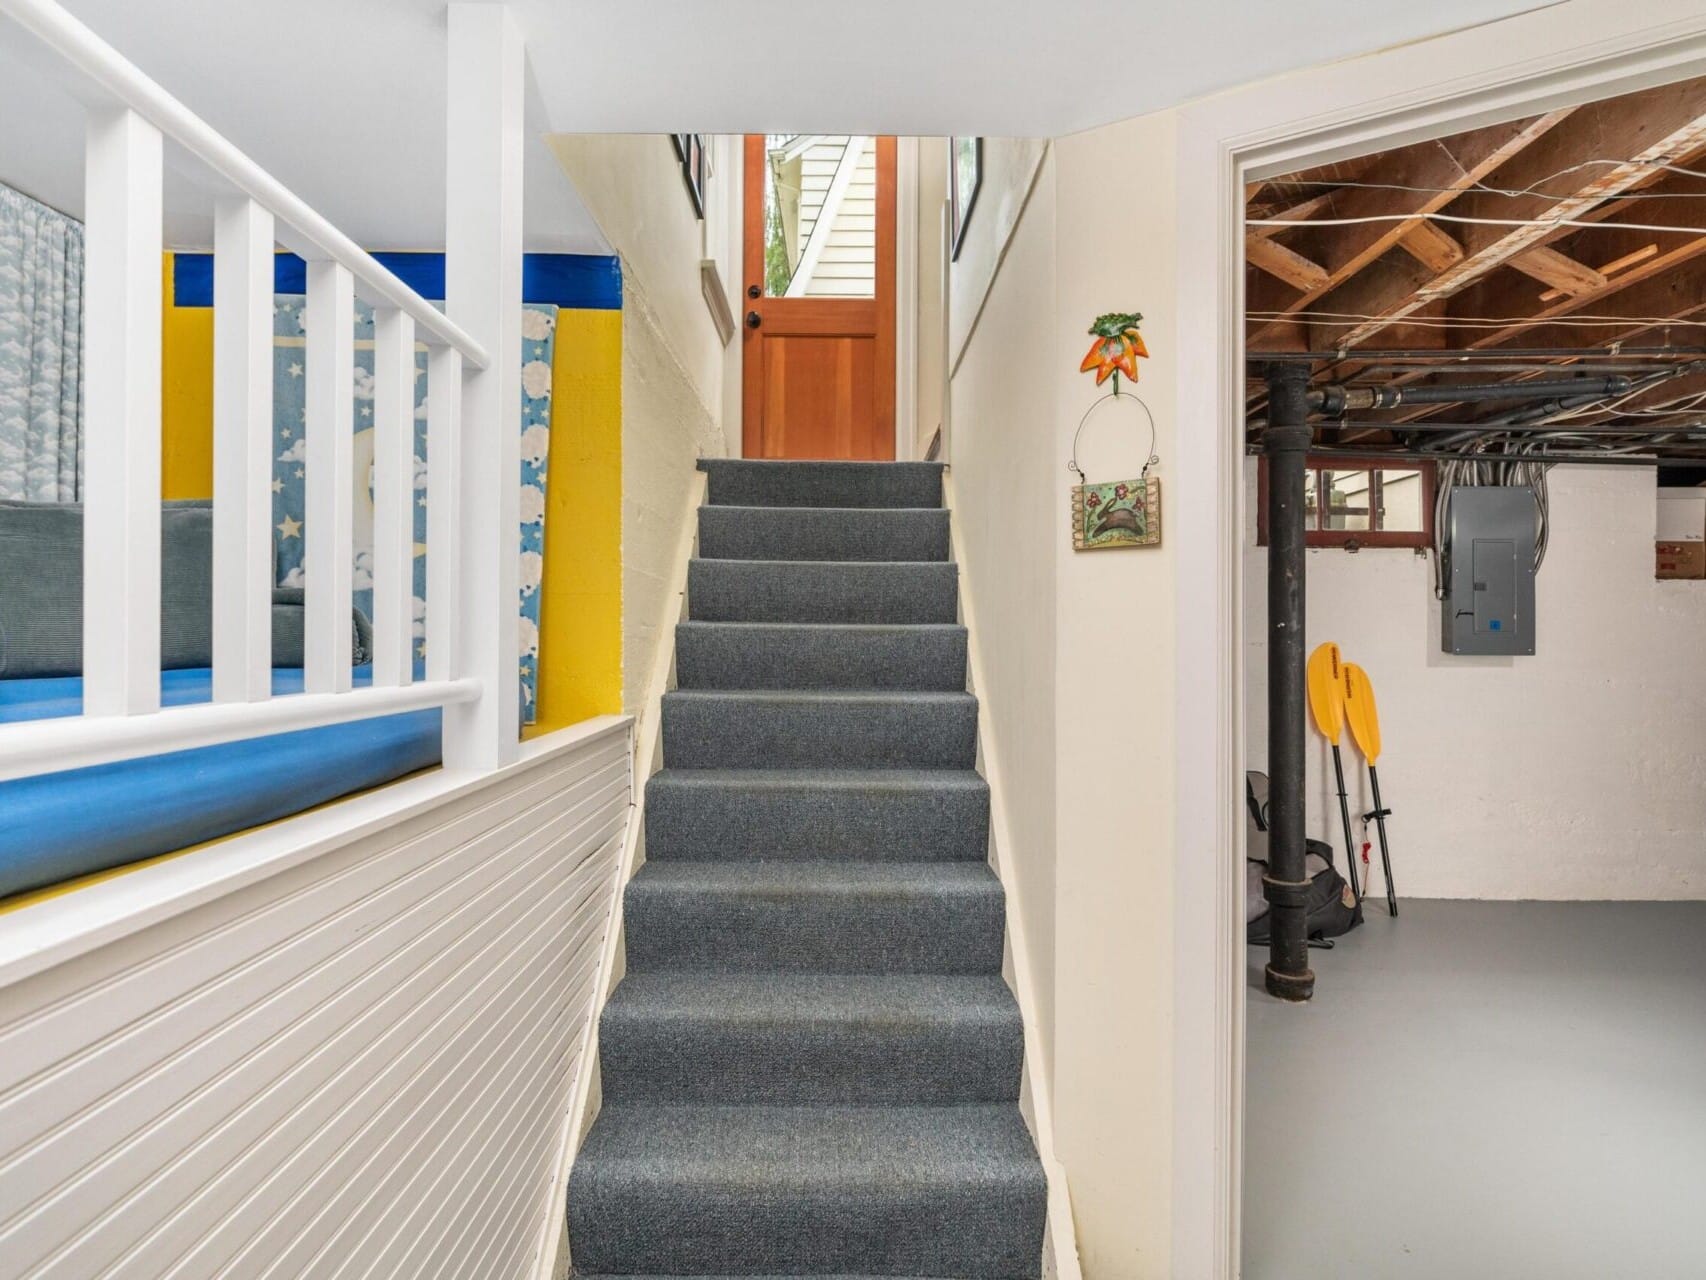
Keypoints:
pixel 1364 722
pixel 1327 707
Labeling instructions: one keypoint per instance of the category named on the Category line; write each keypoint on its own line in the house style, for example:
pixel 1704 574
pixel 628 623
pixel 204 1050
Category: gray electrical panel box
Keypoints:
pixel 1489 570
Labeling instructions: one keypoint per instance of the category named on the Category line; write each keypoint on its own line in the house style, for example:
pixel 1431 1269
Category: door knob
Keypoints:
pixel 753 320
pixel 752 291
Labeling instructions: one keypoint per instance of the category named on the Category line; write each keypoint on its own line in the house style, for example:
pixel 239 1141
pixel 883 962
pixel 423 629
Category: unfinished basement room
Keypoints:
pixel 1474 604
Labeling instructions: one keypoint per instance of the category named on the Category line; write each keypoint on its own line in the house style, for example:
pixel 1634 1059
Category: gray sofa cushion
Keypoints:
pixel 41 592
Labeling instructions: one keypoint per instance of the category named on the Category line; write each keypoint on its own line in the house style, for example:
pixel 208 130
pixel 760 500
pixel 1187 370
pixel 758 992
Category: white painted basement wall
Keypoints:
pixel 673 362
pixel 1078 646
pixel 1577 773
pixel 340 1046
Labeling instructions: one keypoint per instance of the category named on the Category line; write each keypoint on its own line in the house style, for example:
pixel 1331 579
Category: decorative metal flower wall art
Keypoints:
pixel 1116 349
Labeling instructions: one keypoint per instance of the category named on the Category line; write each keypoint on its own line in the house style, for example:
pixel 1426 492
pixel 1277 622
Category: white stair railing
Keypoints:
pixel 472 491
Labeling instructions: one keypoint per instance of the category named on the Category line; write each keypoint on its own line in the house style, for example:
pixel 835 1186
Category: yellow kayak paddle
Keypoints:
pixel 1326 681
pixel 1364 722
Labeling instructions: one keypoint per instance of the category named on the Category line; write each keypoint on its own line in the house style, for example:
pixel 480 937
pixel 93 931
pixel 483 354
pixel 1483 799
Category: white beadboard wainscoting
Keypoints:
pixel 344 1045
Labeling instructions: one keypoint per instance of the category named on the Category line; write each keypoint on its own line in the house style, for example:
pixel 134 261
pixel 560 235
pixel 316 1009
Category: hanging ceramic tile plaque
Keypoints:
pixel 1126 513
pixel 1117 513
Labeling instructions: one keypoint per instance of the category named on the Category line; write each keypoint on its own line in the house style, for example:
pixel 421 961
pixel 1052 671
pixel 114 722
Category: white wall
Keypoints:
pixel 673 361
pixel 341 1043
pixel 1003 481
pixel 1579 772
pixel 1077 647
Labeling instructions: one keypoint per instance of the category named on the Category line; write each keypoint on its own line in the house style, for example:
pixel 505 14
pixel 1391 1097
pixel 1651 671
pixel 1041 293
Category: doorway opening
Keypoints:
pixel 1474 417
pixel 818 260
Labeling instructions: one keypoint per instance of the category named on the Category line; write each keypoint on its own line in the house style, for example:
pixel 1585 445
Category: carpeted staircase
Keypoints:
pixel 812 1065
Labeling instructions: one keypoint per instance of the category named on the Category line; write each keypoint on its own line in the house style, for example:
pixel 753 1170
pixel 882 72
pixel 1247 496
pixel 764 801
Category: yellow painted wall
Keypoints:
pixel 580 632
pixel 580 623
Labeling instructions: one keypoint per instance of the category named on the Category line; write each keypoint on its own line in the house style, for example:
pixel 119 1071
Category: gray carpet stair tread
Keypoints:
pixel 820 728
pixel 810 1038
pixel 914 1190
pixel 822 591
pixel 755 482
pixel 823 533
pixel 904 815
pixel 815 917
pixel 768 655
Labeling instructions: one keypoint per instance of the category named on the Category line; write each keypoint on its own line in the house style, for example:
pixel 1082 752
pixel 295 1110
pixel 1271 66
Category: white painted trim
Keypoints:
pixel 1573 52
pixel 824 227
pixel 444 440
pixel 328 512
pixel 485 137
pixel 647 757
pixel 716 299
pixel 906 335
pixel 121 425
pixel 242 450
pixel 60 928
pixel 393 497
pixel 1060 1243
pixel 35 747
pixel 113 81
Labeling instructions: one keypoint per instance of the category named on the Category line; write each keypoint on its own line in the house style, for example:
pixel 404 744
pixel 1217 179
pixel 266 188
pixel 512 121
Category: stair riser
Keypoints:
pixel 726 656
pixel 816 533
pixel 854 1062
pixel 703 822
pixel 778 591
pixel 765 932
pixel 981 1228
pixel 707 732
pixel 823 484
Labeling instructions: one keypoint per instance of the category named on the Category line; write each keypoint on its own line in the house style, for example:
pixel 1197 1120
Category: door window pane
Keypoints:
pixel 1348 500
pixel 1401 501
pixel 820 216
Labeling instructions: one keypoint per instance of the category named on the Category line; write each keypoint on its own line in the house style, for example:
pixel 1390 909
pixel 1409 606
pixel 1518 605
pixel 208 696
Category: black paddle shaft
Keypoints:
pixel 1345 815
pixel 1379 815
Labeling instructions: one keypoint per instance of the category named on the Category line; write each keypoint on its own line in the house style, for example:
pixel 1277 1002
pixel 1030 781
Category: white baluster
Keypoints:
pixel 393 496
pixel 444 452
pixel 487 75
pixel 243 449
pixel 330 325
pixel 121 417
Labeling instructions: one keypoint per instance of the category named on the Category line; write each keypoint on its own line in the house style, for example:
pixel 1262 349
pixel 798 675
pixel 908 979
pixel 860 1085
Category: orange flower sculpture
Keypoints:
pixel 1116 349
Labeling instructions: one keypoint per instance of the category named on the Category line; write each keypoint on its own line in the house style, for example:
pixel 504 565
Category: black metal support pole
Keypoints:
pixel 1286 442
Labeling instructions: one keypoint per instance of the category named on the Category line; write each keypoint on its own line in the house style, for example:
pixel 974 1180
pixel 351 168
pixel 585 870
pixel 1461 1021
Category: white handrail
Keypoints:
pixel 51 746
pixel 301 228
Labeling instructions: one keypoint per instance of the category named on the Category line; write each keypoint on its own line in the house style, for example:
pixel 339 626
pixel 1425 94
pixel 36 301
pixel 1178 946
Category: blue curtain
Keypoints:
pixel 41 351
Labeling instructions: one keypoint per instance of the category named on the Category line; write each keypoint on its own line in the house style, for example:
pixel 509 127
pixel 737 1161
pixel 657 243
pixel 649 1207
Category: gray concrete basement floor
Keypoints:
pixel 1484 1089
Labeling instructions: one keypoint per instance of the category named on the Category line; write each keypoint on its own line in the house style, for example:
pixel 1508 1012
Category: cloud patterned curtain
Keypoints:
pixel 538 338
pixel 41 351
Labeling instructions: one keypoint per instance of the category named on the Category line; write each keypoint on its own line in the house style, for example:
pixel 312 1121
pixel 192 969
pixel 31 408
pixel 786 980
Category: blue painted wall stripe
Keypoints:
pixel 582 281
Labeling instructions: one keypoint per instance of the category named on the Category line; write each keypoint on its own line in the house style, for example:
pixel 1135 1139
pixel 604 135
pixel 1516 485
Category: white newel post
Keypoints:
pixel 327 519
pixel 243 567
pixel 121 432
pixel 487 75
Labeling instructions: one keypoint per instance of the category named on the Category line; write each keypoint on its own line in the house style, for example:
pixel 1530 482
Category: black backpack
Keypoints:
pixel 1333 908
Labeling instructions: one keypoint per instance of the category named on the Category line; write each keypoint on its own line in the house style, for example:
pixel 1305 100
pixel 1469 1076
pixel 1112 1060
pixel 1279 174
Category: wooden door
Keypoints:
pixel 818 368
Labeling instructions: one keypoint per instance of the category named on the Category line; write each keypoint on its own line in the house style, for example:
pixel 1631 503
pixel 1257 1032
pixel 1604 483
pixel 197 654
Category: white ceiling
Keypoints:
pixel 343 100
pixel 1014 68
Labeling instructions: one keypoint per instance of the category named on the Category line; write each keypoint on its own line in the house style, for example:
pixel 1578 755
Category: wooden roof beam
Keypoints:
pixel 1442 169
pixel 1650 128
pixel 1558 270
pixel 1286 264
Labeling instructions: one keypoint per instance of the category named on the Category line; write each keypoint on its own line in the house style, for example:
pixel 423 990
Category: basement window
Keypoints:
pixel 1359 502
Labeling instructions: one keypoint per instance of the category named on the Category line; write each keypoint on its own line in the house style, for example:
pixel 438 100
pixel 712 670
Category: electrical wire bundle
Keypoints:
pixel 1500 463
